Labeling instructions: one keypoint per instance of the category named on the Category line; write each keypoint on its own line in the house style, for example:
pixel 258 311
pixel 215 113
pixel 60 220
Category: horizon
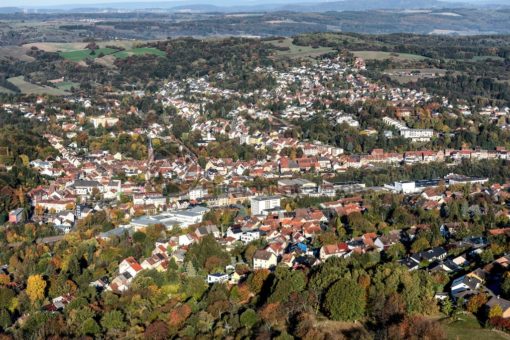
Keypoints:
pixel 52 3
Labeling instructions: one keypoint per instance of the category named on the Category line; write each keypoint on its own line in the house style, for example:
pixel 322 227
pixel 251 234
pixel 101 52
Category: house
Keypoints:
pixel 434 254
pixel 207 230
pixel 154 262
pixel 409 263
pixel 503 303
pixel 261 204
pixel 59 303
pixel 100 284
pixel 333 250
pixel 86 188
pixel 130 265
pixel 197 194
pixel 217 278
pixel 250 236
pixel 465 285
pixel 120 283
pixel 16 216
pixel 263 259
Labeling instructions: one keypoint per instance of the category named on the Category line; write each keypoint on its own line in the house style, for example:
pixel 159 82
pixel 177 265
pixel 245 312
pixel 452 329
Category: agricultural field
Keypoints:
pixel 412 75
pixel 15 52
pixel 79 55
pixel 67 85
pixel 298 52
pixel 485 58
pixel 29 88
pixel 77 51
pixel 379 55
pixel 5 91
pixel 139 51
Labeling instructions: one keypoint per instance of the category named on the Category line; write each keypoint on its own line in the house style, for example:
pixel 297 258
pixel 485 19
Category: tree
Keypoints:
pixel 89 327
pixel 447 307
pixel 345 300
pixel 487 256
pixel 495 311
pixel 420 244
pixel 35 287
pixel 475 302
pixel 505 286
pixel 113 321
pixel 199 253
pixel 395 251
pixel 5 319
pixel 158 330
pixel 257 279
pixel 249 318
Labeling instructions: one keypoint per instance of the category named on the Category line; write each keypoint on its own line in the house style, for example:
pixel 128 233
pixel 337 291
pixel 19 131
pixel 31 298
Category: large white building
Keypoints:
pixel 416 135
pixel 260 204
pixel 171 219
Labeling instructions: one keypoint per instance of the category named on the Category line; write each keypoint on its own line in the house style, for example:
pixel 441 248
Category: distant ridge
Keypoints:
pixel 9 10
pixel 277 5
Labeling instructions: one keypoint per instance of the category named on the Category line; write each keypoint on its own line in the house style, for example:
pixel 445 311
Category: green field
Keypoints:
pixel 79 55
pixel 468 327
pixel 404 75
pixel 298 52
pixel 379 55
pixel 29 88
pixel 67 85
pixel 485 58
pixel 139 51
pixel 6 91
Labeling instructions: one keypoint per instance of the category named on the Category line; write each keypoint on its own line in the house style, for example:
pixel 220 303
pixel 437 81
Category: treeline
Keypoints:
pixel 228 62
pixel 483 91
pixel 495 170
pixel 431 46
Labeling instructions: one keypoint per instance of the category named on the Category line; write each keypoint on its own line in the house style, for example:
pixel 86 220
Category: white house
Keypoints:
pixel 263 259
pixel 217 278
pixel 130 265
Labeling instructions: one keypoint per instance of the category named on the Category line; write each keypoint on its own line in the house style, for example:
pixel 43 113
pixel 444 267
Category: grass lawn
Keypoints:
pixel 297 52
pixel 29 88
pixel 79 55
pixel 468 328
pixel 379 55
pixel 139 51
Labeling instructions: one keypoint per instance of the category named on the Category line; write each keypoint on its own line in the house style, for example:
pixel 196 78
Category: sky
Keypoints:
pixel 43 3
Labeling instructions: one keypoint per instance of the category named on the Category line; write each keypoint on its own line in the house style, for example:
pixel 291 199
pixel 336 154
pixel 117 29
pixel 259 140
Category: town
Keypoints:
pixel 266 191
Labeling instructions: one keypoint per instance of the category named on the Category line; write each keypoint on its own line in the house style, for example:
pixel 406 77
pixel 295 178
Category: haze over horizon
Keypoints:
pixel 41 4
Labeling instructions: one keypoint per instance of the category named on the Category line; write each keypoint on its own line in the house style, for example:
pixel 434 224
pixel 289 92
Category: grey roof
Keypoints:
pixel 265 198
pixel 86 184
pixel 496 300
pixel 262 255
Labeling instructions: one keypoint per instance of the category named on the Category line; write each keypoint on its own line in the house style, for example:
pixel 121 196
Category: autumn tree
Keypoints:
pixel 35 288
pixel 475 302
pixel 495 311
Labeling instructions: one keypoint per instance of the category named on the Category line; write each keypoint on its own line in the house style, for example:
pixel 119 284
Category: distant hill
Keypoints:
pixel 9 10
pixel 275 5
pixel 363 5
